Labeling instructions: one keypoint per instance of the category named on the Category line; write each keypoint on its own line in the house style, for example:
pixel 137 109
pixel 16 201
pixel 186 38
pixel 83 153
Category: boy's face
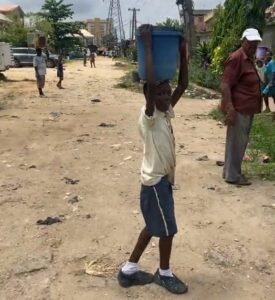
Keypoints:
pixel 163 97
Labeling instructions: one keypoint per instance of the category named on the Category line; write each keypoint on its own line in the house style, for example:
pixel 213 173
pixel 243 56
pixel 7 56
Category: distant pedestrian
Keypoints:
pixel 269 90
pixel 39 63
pixel 85 57
pixel 241 99
pixel 92 59
pixel 60 71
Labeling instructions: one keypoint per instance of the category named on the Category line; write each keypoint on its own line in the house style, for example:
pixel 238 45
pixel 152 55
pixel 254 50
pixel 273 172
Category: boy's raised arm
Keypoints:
pixel 183 74
pixel 146 36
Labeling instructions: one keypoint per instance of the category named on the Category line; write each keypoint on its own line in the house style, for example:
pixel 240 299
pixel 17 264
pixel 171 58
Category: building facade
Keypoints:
pixel 269 31
pixel 13 13
pixel 201 26
pixel 99 28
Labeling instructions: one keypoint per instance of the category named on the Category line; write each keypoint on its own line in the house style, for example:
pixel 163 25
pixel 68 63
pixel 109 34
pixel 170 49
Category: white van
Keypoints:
pixel 6 57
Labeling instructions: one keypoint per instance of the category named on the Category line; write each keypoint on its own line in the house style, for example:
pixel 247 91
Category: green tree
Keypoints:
pixel 15 34
pixel 229 23
pixel 57 13
pixel 36 21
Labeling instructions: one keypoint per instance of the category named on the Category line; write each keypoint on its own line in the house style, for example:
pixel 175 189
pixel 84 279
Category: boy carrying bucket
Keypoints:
pixel 157 174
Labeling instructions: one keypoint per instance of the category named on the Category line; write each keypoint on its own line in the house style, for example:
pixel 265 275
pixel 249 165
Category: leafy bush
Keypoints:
pixel 205 77
pixel 130 81
pixel 132 53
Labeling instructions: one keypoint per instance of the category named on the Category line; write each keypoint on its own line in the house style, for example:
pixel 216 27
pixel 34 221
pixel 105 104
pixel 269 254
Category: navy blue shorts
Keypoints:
pixel 157 206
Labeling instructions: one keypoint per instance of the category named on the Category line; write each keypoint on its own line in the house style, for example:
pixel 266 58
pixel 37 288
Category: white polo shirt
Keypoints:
pixel 40 63
pixel 159 158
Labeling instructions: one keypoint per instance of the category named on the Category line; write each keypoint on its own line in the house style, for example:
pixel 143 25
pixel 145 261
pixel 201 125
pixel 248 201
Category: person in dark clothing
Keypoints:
pixel 85 57
pixel 60 71
pixel 241 100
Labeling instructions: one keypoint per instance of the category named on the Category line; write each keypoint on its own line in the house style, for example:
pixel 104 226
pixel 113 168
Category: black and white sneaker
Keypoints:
pixel 138 278
pixel 172 284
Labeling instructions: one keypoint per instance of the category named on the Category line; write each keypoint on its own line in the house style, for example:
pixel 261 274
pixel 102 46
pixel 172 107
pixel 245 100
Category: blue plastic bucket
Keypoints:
pixel 165 44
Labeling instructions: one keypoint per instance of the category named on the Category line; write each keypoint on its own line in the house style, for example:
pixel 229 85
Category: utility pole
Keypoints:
pixel 186 9
pixel 134 22
pixel 130 33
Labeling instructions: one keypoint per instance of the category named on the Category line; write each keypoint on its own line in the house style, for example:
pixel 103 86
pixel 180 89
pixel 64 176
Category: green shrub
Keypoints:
pixel 204 77
pixel 130 81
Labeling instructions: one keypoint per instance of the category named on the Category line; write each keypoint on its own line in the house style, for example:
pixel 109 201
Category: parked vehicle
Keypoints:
pixel 6 57
pixel 23 56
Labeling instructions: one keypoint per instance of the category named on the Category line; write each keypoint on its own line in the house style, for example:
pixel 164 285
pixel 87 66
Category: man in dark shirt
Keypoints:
pixel 241 99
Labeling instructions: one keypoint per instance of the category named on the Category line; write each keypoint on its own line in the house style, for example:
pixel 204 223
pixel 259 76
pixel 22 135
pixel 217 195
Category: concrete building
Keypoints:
pixel 269 32
pixel 13 12
pixel 201 27
pixel 98 28
pixel 4 20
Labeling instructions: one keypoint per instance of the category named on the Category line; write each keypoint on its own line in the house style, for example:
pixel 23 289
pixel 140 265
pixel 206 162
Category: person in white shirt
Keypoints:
pixel 157 174
pixel 39 63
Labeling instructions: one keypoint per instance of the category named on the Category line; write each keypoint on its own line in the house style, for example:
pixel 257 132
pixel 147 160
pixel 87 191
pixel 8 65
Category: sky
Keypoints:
pixel 151 11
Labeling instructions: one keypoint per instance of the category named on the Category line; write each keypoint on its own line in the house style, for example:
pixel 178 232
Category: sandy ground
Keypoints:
pixel 225 248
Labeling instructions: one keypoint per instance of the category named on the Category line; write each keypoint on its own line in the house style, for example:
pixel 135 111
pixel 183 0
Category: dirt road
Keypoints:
pixel 225 248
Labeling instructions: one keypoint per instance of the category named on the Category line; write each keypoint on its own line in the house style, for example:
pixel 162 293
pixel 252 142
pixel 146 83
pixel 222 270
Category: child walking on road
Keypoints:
pixel 92 59
pixel 60 71
pixel 157 175
pixel 39 64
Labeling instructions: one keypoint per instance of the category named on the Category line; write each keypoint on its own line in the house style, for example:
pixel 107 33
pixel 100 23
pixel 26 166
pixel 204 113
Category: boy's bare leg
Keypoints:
pixel 130 275
pixel 142 243
pixel 165 248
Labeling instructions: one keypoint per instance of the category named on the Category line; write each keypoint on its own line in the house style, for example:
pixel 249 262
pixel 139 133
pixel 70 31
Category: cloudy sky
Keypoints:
pixel 151 11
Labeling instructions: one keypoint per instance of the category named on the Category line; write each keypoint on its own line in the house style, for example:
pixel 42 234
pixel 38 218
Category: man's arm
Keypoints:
pixel 227 104
pixel 183 75
pixel 231 76
pixel 146 36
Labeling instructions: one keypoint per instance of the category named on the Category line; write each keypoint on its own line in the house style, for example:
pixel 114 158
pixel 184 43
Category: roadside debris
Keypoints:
pixel 220 163
pixel 106 125
pixel 269 205
pixel 49 221
pixel 203 158
pixel 266 159
pixel 99 268
pixel 73 200
pixel 71 181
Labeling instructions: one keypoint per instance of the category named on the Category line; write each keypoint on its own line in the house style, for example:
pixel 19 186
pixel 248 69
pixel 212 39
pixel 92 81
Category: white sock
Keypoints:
pixel 167 273
pixel 129 268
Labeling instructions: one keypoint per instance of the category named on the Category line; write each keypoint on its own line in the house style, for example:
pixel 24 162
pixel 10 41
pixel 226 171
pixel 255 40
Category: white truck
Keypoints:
pixel 6 56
